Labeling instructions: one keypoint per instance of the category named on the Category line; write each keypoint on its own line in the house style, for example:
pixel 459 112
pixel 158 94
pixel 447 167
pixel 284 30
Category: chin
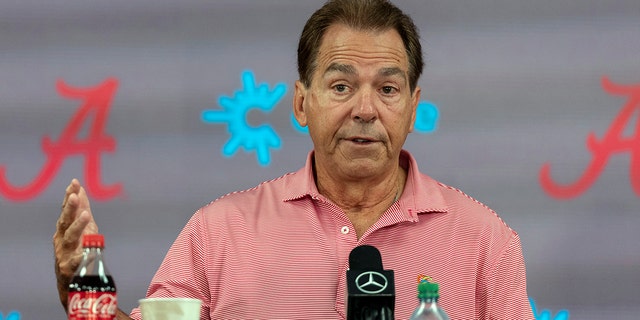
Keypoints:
pixel 363 167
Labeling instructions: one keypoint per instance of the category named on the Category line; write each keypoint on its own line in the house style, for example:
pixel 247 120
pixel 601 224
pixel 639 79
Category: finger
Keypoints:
pixel 76 201
pixel 68 246
pixel 71 238
pixel 68 214
pixel 83 201
pixel 69 205
pixel 73 187
pixel 65 268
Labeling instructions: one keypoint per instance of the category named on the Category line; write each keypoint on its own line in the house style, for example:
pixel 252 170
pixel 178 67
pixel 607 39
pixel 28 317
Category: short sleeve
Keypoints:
pixel 507 285
pixel 182 272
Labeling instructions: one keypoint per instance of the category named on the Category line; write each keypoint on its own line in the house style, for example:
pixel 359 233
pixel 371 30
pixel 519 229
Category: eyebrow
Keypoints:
pixel 341 67
pixel 393 71
pixel 351 70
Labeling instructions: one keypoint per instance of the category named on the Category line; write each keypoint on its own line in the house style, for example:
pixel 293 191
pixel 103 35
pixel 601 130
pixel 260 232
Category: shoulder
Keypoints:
pixel 474 213
pixel 263 194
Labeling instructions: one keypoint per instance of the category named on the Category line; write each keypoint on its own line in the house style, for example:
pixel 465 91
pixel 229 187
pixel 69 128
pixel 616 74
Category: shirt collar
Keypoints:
pixel 422 194
pixel 303 183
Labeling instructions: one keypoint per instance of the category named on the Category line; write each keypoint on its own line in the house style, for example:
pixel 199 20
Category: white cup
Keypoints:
pixel 170 308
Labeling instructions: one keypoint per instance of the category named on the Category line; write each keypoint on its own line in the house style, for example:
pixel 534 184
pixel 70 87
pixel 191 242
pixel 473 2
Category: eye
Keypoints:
pixel 340 88
pixel 388 90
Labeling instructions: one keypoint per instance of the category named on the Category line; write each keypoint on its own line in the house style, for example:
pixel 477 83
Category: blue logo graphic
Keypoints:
pixel 13 315
pixel 427 116
pixel 259 139
pixel 546 314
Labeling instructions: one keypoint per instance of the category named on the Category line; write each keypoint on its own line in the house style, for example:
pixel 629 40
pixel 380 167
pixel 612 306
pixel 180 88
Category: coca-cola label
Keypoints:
pixel 88 305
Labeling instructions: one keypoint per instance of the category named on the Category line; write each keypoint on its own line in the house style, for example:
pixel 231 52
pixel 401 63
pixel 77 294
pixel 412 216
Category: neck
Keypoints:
pixel 362 195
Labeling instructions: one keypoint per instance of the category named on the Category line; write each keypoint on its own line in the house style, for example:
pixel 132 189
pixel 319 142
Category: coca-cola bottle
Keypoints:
pixel 92 292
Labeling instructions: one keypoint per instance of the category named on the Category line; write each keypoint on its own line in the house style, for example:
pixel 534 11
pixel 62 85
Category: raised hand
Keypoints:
pixel 74 221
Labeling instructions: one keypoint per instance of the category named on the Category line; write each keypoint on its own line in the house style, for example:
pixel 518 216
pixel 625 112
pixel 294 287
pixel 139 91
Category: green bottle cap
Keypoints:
pixel 428 290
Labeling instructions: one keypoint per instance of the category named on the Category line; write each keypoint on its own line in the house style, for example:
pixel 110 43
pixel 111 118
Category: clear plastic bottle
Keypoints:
pixel 92 291
pixel 428 309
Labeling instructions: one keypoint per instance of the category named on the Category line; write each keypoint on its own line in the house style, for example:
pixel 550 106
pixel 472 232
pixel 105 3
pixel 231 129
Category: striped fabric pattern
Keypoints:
pixel 280 251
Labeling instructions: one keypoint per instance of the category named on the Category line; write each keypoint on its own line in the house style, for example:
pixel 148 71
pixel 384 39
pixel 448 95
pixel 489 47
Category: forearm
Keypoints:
pixel 63 294
pixel 122 316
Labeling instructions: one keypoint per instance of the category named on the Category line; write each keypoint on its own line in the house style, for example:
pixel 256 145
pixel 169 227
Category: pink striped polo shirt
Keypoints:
pixel 280 251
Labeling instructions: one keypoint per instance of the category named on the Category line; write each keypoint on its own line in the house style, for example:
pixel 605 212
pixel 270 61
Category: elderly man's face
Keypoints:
pixel 359 107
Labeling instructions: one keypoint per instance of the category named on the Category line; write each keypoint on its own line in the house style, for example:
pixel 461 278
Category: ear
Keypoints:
pixel 415 99
pixel 299 95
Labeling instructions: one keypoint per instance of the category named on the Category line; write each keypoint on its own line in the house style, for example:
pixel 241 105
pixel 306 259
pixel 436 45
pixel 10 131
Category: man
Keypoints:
pixel 280 250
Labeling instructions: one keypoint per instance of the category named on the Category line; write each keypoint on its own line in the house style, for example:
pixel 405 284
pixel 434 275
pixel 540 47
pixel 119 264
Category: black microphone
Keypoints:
pixel 370 289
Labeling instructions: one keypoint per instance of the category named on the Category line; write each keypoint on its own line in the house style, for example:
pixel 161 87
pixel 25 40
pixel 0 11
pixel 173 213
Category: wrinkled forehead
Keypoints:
pixel 344 49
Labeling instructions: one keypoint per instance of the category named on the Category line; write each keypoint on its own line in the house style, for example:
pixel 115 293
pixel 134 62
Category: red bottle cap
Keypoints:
pixel 95 240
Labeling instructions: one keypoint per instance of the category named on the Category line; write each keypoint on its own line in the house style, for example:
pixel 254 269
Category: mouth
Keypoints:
pixel 360 140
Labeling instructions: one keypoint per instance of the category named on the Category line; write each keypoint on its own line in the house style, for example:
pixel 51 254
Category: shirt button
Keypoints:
pixel 344 230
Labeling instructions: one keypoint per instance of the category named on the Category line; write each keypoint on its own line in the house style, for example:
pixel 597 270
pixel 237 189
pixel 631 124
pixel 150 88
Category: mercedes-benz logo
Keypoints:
pixel 371 282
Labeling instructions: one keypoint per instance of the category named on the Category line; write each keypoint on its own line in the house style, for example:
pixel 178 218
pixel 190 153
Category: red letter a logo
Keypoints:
pixel 96 100
pixel 612 142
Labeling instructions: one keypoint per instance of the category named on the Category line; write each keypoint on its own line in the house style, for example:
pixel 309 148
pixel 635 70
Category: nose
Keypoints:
pixel 364 109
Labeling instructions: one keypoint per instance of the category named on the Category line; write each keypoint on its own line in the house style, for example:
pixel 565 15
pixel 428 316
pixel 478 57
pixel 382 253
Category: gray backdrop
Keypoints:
pixel 517 83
